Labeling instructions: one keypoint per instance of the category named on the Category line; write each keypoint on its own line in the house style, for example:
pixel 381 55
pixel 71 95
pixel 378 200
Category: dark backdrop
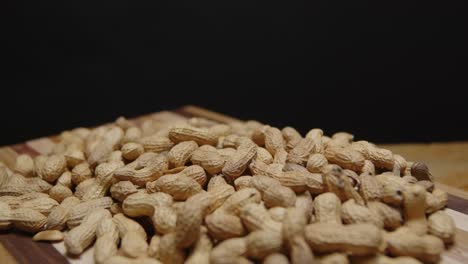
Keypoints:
pixel 387 72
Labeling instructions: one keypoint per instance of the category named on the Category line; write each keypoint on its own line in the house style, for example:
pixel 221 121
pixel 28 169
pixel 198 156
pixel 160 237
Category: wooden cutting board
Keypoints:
pixel 448 163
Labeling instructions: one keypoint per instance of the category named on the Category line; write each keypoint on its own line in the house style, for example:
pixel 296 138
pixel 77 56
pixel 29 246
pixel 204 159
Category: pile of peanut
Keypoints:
pixel 197 191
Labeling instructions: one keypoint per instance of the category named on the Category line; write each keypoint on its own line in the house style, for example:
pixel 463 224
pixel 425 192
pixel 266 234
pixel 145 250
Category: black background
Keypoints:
pixel 387 72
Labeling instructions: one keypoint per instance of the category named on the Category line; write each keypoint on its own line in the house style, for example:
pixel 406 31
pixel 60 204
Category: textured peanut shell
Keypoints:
pixel 188 225
pixel 210 160
pixel 262 243
pixel 300 252
pixel 50 168
pixel 24 165
pixel 122 189
pixel 179 186
pixel 133 245
pixel 168 251
pixel 277 213
pixel 58 217
pixel 304 202
pixel 229 251
pixel 273 140
pixel 279 196
pixel 80 211
pixel 235 203
pixel 436 200
pixel 180 153
pixel 107 240
pixel 294 223
pixel 316 163
pixel 301 152
pixel 264 156
pixel 222 226
pixel 333 258
pixel 43 205
pixel 327 208
pixel 186 133
pixel 393 187
pixel 414 201
pixel 82 236
pixel 280 157
pixel 26 219
pixel 156 143
pixel 109 142
pixel 370 188
pixel 80 173
pixel 131 150
pixel 276 258
pixel 345 157
pixel 146 168
pixel 201 251
pixel 353 213
pixel 104 178
pixel 59 192
pixel 258 167
pixel 441 225
pixel 219 192
pixel 243 182
pixel 291 136
pixel 354 239
pixel 256 217
pixel 74 157
pixel 125 225
pixel 5 211
pixel 390 216
pixel 368 167
pixel 164 219
pixel 382 158
pixel 426 248
pixel 237 164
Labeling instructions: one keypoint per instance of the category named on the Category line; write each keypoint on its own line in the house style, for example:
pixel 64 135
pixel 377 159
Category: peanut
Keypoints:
pixel 186 133
pixel 201 250
pixel 146 168
pixel 50 168
pixel 230 251
pixel 80 173
pixel 80 211
pixel 441 225
pixel 414 199
pixel 82 236
pixel 345 157
pixel 25 165
pixel 237 164
pixel 58 217
pixel 179 186
pixel 316 163
pixel 156 143
pixel 291 136
pixel 404 242
pixel 131 151
pixel 107 240
pixel 276 258
pixel 355 239
pixel 180 153
pixel 190 179
pixel 48 235
pixel 122 190
pixel 110 140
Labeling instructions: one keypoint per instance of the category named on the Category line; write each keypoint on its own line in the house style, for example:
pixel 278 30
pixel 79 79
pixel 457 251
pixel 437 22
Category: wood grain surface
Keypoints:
pixel 448 163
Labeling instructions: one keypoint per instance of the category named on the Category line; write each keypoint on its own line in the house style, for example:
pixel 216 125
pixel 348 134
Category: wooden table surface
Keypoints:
pixel 448 163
